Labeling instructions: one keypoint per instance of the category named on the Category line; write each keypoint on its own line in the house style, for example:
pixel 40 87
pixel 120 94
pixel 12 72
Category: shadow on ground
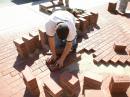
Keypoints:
pixel 34 2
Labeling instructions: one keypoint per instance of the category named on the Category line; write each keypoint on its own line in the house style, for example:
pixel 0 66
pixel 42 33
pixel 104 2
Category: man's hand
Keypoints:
pixel 60 63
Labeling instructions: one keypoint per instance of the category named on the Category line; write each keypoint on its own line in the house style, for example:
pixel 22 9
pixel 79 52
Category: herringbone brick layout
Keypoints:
pixel 30 77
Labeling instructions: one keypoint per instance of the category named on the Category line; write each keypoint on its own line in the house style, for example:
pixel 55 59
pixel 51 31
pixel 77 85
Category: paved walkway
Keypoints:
pixel 17 20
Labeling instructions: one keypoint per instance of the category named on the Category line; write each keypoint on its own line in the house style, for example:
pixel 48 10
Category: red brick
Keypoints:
pixel 87 17
pixel 112 7
pixel 107 85
pixel 77 24
pixel 83 24
pixel 35 36
pixel 29 79
pixel 94 93
pixel 94 18
pixel 20 46
pixel 92 80
pixel 52 87
pixel 123 58
pixel 69 79
pixel 29 43
pixel 120 47
pixel 120 83
pixel 70 83
pixel 43 37
pixel 115 58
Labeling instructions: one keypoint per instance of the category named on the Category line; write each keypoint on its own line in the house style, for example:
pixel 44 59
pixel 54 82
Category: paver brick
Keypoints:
pixel 115 59
pixel 112 7
pixel 92 80
pixel 120 47
pixel 35 35
pixel 43 37
pixel 77 24
pixel 29 43
pixel 94 18
pixel 21 48
pixel 83 24
pixel 120 83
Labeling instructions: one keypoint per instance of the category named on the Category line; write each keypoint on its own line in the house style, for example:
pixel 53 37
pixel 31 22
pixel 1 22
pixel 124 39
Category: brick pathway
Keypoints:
pixel 12 85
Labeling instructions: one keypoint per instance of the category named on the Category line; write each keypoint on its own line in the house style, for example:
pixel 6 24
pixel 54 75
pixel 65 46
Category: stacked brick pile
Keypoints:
pixel 86 20
pixel 29 43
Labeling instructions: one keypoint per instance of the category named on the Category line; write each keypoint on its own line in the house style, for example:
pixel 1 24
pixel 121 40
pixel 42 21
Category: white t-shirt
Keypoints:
pixel 59 16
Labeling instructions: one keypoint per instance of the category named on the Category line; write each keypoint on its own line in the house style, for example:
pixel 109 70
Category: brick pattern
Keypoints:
pixel 102 44
pixel 70 59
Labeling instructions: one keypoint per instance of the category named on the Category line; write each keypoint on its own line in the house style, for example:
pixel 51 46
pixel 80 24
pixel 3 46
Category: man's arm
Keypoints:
pixel 66 51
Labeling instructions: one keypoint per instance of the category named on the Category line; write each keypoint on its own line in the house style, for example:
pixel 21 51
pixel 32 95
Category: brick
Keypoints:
pixel 94 18
pixel 43 37
pixel 123 58
pixel 120 47
pixel 77 24
pixel 52 87
pixel 35 35
pixel 29 79
pixel 120 83
pixel 112 7
pixel 87 17
pixel 70 83
pixel 115 59
pixel 20 46
pixel 107 85
pixel 94 93
pixel 29 43
pixel 92 80
pixel 69 79
pixel 83 24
